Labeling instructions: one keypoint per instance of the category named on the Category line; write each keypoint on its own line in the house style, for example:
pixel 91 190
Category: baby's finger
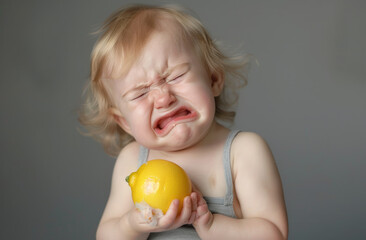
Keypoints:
pixel 194 201
pixel 192 218
pixel 186 210
pixel 168 219
pixel 200 200
pixel 202 210
pixel 202 207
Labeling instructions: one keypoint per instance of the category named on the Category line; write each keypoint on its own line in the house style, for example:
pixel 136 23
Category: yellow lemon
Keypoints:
pixel 158 182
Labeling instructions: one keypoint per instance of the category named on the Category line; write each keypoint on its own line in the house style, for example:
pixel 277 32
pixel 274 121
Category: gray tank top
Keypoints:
pixel 220 205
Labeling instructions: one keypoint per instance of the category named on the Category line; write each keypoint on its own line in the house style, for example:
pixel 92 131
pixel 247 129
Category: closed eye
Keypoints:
pixel 175 79
pixel 139 95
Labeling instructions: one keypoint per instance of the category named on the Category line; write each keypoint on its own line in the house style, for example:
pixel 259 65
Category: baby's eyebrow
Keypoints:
pixel 179 66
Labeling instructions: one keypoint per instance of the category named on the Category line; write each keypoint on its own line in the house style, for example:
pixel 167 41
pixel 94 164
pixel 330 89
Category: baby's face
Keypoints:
pixel 166 99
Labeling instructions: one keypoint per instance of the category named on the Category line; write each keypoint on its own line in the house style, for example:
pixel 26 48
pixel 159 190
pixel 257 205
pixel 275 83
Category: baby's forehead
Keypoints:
pixel 128 54
pixel 161 54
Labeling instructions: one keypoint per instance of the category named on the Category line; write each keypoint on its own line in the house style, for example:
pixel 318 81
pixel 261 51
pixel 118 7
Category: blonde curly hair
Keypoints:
pixel 121 39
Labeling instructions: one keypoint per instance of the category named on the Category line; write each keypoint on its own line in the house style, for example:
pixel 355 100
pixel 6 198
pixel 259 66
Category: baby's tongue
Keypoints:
pixel 166 121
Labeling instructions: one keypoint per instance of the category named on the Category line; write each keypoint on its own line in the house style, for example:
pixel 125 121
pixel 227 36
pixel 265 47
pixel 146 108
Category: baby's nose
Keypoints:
pixel 163 97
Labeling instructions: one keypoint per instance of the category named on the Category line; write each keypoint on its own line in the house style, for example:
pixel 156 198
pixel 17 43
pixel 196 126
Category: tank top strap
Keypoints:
pixel 227 167
pixel 143 154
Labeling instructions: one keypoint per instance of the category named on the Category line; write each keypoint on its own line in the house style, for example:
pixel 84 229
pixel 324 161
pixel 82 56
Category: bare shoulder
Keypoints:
pixel 252 159
pixel 127 162
pixel 249 148
pixel 249 138
pixel 128 156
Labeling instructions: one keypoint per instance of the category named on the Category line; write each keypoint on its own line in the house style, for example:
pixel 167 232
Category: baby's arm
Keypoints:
pixel 259 191
pixel 114 223
pixel 121 220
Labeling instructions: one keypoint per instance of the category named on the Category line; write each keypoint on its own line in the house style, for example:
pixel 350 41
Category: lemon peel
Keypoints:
pixel 157 183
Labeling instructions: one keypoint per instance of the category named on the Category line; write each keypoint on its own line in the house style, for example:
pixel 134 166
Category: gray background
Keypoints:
pixel 306 98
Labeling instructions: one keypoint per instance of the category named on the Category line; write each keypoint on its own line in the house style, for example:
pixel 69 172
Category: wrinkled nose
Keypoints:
pixel 163 97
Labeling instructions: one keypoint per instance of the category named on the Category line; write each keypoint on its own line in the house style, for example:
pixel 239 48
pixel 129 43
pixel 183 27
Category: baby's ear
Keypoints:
pixel 119 119
pixel 217 83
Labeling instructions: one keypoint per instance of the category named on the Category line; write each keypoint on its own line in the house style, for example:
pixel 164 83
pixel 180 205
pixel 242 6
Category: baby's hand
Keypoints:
pixel 204 217
pixel 171 220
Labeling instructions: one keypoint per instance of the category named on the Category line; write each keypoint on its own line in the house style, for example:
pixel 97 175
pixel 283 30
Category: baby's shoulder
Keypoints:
pixel 128 157
pixel 248 140
pixel 248 150
pixel 131 149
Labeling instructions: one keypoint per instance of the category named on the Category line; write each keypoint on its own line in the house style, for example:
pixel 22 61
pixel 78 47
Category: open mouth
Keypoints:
pixel 168 121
